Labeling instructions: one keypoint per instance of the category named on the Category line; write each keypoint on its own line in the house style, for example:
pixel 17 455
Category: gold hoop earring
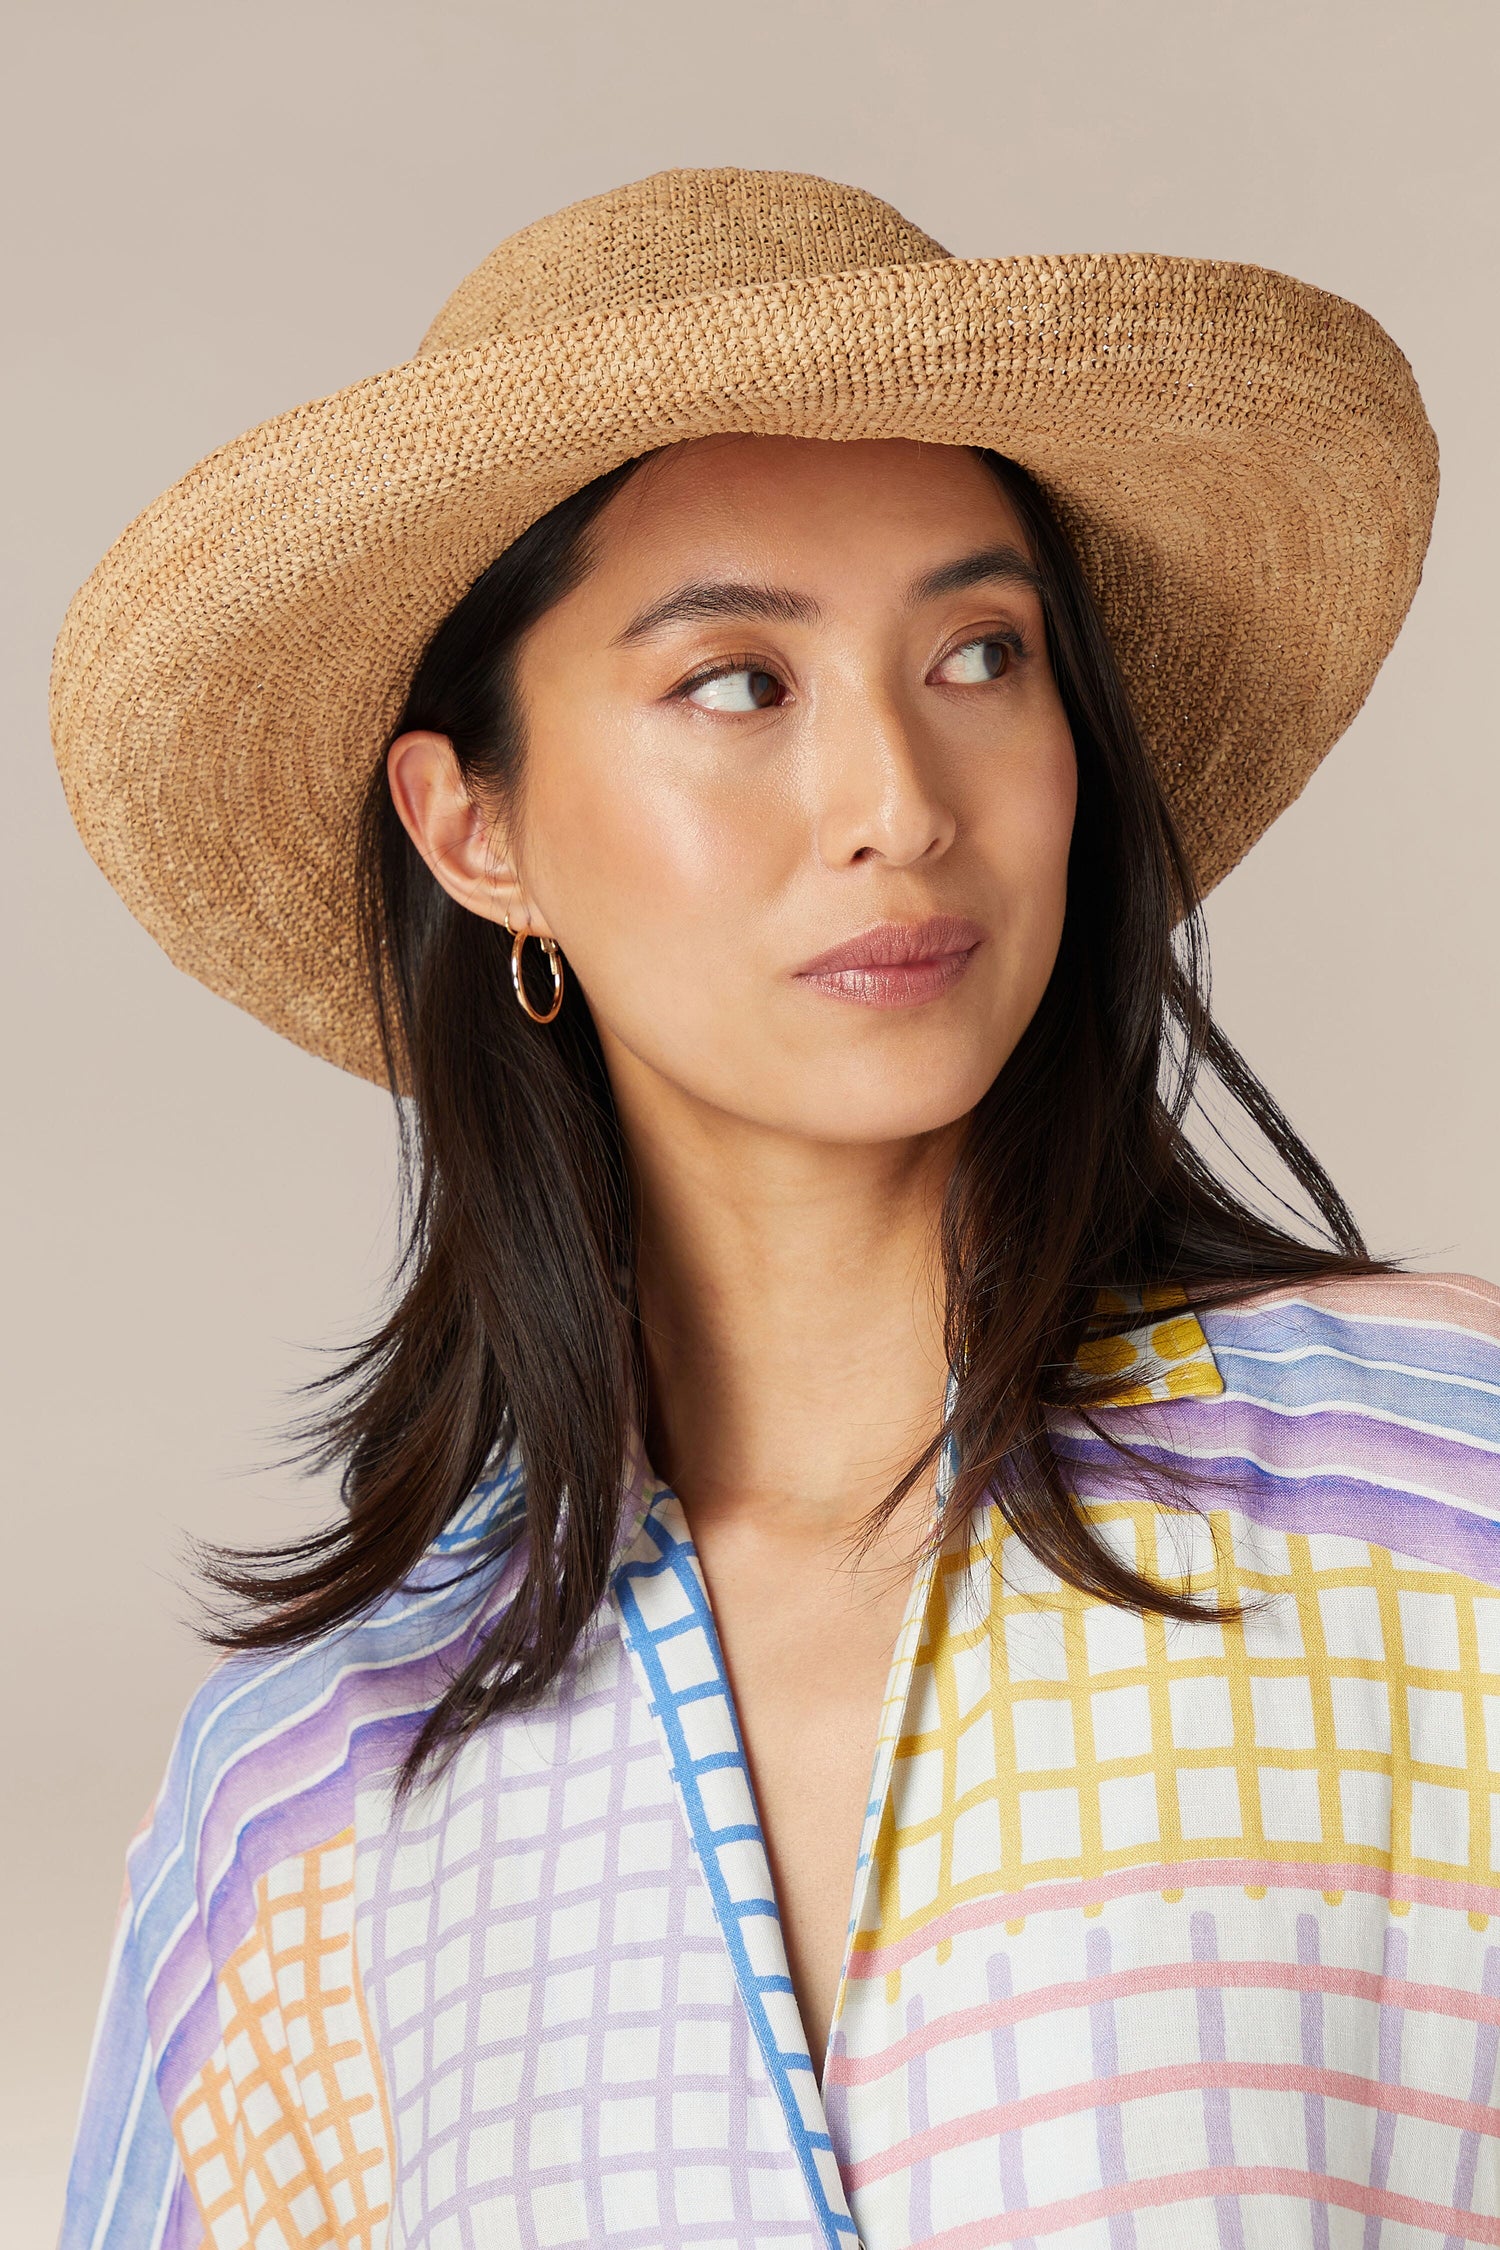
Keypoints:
pixel 554 963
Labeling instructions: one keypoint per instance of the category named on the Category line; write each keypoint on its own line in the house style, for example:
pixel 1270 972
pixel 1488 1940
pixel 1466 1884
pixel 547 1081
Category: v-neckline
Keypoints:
pixel 661 1597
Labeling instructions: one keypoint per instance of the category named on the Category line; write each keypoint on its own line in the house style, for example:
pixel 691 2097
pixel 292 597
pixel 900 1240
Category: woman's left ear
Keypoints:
pixel 457 838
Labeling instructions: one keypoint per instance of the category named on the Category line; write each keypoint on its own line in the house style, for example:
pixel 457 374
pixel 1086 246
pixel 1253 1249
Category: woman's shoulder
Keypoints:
pixel 276 1745
pixel 1396 1324
pixel 243 1870
pixel 1371 1403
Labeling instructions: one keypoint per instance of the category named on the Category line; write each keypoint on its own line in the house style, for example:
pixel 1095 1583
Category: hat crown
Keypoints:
pixel 676 234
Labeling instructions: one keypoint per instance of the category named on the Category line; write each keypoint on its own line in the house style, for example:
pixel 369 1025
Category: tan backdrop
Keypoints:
pixel 219 211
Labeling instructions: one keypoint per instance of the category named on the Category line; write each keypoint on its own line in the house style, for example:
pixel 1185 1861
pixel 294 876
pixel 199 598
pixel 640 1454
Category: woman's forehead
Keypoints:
pixel 751 503
pixel 749 466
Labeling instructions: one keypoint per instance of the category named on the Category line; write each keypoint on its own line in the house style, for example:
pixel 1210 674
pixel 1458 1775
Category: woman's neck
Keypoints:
pixel 791 1309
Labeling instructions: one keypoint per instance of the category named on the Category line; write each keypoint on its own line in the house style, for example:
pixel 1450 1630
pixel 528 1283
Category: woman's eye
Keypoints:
pixel 742 690
pixel 976 662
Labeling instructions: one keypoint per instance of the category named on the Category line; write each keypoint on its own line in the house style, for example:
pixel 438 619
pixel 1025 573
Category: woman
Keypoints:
pixel 900 1665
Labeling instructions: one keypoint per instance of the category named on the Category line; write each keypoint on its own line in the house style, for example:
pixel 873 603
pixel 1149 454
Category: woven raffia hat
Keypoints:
pixel 1242 462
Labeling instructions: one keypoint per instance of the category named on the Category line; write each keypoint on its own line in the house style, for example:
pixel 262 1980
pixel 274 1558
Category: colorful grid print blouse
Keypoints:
pixel 1163 1935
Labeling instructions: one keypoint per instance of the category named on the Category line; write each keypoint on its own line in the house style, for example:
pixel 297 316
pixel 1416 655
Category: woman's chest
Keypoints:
pixel 807 1640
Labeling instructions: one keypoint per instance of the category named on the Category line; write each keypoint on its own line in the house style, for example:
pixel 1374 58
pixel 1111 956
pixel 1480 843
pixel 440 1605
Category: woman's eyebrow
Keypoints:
pixel 984 566
pixel 715 597
pixel 720 598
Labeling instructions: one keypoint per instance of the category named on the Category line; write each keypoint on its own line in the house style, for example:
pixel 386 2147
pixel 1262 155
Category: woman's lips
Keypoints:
pixel 896 964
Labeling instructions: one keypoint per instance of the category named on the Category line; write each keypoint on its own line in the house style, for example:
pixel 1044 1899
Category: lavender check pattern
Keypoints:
pixel 570 2055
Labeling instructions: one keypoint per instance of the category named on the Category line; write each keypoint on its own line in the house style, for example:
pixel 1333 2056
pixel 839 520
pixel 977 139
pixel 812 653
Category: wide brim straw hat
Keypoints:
pixel 1242 462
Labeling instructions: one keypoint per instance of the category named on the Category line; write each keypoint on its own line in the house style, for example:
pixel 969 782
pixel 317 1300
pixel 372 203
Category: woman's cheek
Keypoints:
pixel 644 888
pixel 1024 835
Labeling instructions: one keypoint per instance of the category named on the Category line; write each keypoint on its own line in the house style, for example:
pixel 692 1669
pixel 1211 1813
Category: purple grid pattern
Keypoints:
pixel 1218 2122
pixel 1393 1970
pixel 1109 2127
pixel 1008 2087
pixel 1314 2112
pixel 1482 2094
pixel 568 2057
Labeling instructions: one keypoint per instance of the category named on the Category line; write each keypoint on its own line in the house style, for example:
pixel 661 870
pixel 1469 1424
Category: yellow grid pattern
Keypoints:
pixel 1353 1720
pixel 284 2134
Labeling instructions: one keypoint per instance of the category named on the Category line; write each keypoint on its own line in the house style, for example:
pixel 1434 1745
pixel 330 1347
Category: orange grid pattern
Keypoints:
pixel 284 2133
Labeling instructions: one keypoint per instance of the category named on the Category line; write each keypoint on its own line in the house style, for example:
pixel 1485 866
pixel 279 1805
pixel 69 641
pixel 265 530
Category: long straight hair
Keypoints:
pixel 514 1320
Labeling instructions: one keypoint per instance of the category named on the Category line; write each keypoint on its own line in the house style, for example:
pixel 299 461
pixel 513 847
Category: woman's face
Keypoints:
pixel 801 702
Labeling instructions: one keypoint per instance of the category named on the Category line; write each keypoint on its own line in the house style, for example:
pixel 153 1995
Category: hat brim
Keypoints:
pixel 1242 462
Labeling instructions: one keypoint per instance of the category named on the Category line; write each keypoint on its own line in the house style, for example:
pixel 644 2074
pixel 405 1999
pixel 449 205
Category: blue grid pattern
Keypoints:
pixel 672 1638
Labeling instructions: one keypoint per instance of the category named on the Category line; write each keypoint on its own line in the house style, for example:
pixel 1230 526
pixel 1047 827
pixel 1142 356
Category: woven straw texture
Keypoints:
pixel 1242 461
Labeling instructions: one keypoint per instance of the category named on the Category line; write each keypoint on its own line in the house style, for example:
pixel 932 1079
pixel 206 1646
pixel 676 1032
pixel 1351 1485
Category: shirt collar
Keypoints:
pixel 1163 1355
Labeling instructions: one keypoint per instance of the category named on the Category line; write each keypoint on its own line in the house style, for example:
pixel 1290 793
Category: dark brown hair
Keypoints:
pixel 514 1322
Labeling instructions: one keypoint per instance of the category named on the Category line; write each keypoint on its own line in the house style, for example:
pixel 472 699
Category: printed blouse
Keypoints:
pixel 1163 1935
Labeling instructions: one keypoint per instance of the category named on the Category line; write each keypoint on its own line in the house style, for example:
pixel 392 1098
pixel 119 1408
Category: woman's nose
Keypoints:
pixel 879 786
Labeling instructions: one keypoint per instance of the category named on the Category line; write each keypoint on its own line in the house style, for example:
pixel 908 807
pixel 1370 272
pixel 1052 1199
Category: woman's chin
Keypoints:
pixel 899 1109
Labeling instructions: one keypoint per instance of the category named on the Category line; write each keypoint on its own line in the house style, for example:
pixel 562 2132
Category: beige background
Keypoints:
pixel 218 211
